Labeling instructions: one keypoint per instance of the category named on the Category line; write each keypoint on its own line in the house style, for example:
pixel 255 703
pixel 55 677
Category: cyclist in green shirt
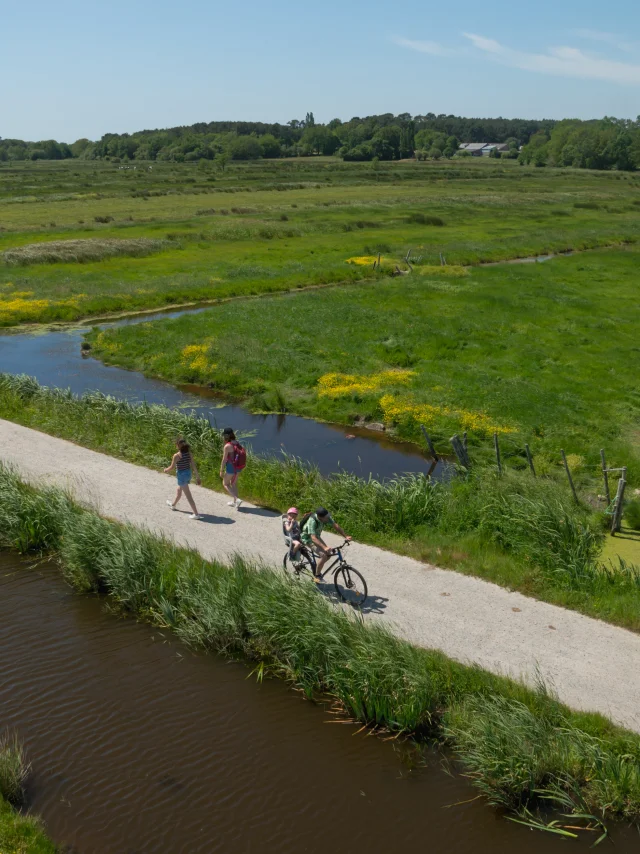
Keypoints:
pixel 311 535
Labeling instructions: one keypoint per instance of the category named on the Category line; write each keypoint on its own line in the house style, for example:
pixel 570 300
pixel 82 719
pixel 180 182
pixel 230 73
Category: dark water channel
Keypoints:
pixel 140 746
pixel 54 359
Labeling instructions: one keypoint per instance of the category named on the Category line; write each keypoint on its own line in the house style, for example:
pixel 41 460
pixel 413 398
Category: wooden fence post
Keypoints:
pixel 427 439
pixel 566 468
pixel 605 475
pixel 616 522
pixel 461 454
pixel 497 450
pixel 530 460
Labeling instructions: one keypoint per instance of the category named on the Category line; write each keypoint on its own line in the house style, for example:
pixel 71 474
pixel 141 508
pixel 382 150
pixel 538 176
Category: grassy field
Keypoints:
pixel 263 227
pixel 520 747
pixel 542 353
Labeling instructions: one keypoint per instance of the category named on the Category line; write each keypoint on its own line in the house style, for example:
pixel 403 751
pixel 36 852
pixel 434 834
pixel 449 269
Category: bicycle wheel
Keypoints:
pixel 302 567
pixel 350 586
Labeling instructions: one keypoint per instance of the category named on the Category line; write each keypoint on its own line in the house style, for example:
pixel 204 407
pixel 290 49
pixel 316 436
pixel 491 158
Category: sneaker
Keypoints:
pixel 170 503
pixel 238 503
pixel 196 516
pixel 231 503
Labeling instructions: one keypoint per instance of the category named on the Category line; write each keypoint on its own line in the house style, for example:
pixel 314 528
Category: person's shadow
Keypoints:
pixel 209 518
pixel 256 511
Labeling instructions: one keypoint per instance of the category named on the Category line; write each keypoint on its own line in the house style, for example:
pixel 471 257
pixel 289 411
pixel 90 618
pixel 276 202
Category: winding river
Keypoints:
pixel 54 358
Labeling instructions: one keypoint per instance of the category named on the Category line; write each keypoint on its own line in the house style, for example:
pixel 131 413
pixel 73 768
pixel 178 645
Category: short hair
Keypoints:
pixel 322 511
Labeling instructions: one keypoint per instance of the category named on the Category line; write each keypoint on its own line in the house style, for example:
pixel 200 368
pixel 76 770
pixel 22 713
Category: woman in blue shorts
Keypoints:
pixel 184 464
pixel 228 471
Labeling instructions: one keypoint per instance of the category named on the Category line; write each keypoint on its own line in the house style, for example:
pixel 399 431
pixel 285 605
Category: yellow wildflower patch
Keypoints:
pixel 364 260
pixel 337 385
pixel 20 295
pixel 17 308
pixel 195 356
pixel 403 410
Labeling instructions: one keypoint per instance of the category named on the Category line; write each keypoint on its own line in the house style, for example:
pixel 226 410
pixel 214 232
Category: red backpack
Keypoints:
pixel 239 456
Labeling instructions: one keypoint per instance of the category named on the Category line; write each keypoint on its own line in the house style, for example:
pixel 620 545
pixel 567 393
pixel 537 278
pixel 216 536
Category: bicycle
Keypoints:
pixel 348 582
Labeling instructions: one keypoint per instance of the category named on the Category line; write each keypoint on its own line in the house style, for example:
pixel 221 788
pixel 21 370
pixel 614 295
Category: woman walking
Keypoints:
pixel 234 458
pixel 183 462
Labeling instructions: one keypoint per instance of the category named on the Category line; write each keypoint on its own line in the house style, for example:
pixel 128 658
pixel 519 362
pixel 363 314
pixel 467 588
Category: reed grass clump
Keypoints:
pixel 518 744
pixel 14 769
pixel 81 251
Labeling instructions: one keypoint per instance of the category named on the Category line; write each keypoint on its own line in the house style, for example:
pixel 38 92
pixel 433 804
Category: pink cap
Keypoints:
pixel 293 511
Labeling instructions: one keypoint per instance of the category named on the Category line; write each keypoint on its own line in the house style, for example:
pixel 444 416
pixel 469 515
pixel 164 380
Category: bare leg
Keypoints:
pixel 320 565
pixel 229 482
pixel 178 496
pixel 189 497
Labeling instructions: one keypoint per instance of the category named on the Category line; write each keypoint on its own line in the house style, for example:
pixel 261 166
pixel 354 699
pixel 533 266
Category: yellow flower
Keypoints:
pixel 364 260
pixel 195 356
pixel 16 308
pixel 405 410
pixel 337 385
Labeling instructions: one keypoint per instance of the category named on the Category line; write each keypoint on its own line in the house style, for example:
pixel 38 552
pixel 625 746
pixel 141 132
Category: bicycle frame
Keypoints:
pixel 333 566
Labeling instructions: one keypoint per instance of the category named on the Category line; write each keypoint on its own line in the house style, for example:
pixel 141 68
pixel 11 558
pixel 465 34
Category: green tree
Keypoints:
pixel 245 148
pixel 270 146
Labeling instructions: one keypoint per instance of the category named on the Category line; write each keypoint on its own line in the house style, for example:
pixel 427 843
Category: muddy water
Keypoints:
pixel 54 359
pixel 140 746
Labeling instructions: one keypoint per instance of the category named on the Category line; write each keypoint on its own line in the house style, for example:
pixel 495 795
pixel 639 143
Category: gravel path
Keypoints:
pixel 591 665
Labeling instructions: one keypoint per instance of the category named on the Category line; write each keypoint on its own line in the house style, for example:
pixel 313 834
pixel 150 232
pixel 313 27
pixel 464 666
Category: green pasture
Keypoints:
pixel 274 226
pixel 545 353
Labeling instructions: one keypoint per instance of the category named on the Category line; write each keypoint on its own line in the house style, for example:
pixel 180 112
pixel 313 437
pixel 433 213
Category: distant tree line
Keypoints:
pixel 603 144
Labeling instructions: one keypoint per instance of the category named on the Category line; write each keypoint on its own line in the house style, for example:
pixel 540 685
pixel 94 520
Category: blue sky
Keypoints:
pixel 73 69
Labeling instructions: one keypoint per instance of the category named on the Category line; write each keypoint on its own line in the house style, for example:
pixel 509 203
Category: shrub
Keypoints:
pixel 103 219
pixel 632 514
pixel 590 206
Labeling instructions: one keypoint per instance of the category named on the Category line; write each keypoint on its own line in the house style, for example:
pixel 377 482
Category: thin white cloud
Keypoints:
pixel 560 62
pixel 606 38
pixel 433 48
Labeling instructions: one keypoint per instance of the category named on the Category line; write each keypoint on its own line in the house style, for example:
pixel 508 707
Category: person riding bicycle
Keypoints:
pixel 311 536
pixel 292 533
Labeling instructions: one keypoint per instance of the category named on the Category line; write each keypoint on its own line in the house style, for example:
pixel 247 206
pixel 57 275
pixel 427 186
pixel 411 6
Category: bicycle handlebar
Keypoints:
pixel 336 549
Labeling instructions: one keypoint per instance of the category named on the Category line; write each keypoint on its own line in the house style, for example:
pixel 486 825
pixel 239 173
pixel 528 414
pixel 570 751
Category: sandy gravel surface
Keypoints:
pixel 591 665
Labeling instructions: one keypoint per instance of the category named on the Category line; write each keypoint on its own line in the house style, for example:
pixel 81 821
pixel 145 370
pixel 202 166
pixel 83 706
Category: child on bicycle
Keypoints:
pixel 292 531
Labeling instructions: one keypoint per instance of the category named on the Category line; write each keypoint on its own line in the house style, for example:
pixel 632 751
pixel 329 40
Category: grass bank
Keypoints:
pixel 19 833
pixel 522 533
pixel 546 750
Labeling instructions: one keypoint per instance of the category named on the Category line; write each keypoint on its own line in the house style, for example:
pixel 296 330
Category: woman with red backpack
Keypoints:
pixel 234 459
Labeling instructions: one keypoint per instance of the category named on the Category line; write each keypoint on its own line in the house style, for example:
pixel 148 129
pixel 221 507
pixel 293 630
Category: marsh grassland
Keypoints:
pixel 542 354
